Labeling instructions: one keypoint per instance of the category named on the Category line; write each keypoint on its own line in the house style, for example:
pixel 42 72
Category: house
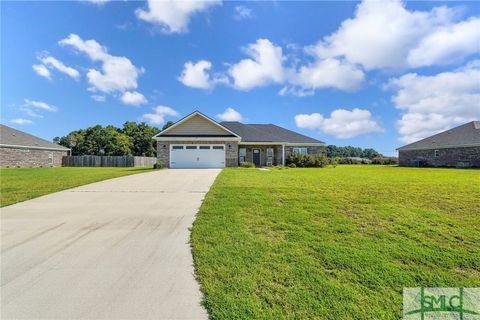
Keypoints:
pixel 18 148
pixel 197 141
pixel 457 147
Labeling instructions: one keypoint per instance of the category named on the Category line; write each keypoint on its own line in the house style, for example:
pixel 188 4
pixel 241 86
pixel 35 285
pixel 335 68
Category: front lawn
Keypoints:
pixel 334 243
pixel 20 184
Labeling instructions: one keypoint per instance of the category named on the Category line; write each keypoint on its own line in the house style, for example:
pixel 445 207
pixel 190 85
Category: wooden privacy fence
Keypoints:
pixel 107 161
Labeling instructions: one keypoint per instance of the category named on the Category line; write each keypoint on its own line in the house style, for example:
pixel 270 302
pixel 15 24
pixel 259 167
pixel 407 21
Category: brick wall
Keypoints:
pixel 231 150
pixel 449 157
pixel 277 153
pixel 13 157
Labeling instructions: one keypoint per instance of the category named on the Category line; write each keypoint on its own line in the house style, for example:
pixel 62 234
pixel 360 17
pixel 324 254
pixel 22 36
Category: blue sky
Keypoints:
pixel 368 74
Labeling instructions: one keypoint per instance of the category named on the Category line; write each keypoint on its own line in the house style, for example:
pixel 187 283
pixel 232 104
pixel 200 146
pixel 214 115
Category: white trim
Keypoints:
pixel 260 143
pixel 311 144
pixel 32 147
pixel 190 116
pixel 283 154
pixel 221 139
pixel 259 153
pixel 441 147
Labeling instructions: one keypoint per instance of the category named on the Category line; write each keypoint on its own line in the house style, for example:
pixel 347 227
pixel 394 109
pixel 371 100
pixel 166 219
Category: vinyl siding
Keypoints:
pixel 197 125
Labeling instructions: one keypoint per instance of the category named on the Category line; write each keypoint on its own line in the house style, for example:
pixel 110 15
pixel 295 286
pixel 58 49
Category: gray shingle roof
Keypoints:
pixel 266 133
pixel 13 137
pixel 467 134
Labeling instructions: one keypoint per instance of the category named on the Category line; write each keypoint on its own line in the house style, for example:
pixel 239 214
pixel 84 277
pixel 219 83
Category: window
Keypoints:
pixel 300 150
pixel 50 157
pixel 437 153
pixel 204 147
pixel 242 154
pixel 217 147
pixel 269 152
pixel 191 147
pixel 177 147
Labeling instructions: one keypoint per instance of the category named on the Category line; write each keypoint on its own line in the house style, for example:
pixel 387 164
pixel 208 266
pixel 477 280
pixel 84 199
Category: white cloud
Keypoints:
pixel 195 75
pixel 133 98
pixel 230 114
pixel 448 44
pixel 329 73
pixel 118 74
pixel 53 63
pixel 39 105
pixel 342 123
pixel 42 71
pixel 98 98
pixel 242 12
pixel 431 104
pixel 21 121
pixel 97 2
pixel 171 15
pixel 159 114
pixel 383 34
pixel 264 67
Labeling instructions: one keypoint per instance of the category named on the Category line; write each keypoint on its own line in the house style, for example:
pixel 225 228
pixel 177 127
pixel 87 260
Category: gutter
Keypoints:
pixel 14 146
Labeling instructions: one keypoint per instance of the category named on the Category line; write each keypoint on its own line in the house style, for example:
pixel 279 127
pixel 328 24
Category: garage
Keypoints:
pixel 197 156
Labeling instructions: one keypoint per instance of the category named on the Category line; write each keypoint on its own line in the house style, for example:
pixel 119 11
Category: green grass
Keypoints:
pixel 334 243
pixel 20 184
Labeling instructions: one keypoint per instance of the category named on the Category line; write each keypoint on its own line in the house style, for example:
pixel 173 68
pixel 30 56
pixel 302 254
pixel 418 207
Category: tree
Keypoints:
pixel 168 124
pixel 349 151
pixel 133 139
pixel 98 140
pixel 141 136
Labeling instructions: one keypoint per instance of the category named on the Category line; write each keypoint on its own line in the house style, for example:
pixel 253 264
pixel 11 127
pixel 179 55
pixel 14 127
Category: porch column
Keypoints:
pixel 283 154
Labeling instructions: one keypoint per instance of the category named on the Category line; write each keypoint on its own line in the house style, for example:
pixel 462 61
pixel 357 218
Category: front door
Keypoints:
pixel 256 157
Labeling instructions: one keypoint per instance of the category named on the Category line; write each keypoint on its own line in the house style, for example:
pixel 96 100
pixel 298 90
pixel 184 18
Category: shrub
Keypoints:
pixel 385 160
pixel 247 164
pixel 354 160
pixel 292 165
pixel 159 165
pixel 306 161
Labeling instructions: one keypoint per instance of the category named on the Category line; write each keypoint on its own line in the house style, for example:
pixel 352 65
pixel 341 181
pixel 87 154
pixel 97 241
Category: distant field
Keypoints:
pixel 20 184
pixel 334 243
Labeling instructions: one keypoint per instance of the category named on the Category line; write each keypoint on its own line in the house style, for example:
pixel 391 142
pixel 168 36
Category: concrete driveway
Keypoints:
pixel 116 249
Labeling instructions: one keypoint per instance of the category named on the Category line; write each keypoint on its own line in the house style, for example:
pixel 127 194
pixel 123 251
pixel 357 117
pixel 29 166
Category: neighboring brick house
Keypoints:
pixel 197 141
pixel 21 149
pixel 457 147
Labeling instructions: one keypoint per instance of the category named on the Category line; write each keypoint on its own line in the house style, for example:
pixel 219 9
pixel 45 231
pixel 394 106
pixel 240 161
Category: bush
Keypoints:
pixel 385 160
pixel 159 165
pixel 247 164
pixel 354 160
pixel 306 161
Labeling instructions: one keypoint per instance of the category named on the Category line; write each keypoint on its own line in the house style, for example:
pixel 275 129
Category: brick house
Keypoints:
pixel 18 148
pixel 457 147
pixel 197 141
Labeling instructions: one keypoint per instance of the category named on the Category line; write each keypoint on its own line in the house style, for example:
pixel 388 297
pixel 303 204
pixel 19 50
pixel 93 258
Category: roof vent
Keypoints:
pixel 13 134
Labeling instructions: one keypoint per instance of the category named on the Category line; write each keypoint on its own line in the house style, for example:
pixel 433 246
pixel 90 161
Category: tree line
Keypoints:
pixel 333 151
pixel 131 139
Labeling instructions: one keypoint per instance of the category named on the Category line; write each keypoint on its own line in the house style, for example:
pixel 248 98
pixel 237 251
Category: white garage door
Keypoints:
pixel 197 156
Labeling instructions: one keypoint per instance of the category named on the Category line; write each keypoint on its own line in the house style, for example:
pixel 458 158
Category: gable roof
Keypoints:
pixel 10 137
pixel 465 135
pixel 166 132
pixel 267 133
